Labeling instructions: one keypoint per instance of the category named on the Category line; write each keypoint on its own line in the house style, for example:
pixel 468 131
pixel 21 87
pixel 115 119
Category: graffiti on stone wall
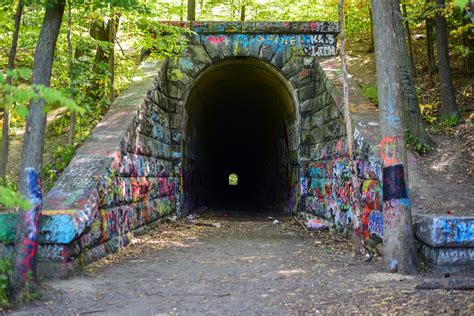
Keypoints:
pixel 456 230
pixel 314 45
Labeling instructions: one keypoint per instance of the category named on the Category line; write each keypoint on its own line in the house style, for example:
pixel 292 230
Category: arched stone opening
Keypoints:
pixel 239 114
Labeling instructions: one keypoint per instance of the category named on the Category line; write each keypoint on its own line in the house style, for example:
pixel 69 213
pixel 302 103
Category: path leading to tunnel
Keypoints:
pixel 247 266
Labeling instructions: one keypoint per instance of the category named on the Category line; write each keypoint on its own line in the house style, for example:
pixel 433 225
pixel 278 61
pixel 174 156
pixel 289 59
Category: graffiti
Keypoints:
pixel 459 231
pixel 216 39
pixel 358 138
pixel 30 225
pixel 52 252
pixel 376 223
pixel 314 45
pixel 371 194
pixel 319 51
pixel 369 169
pixel 451 255
pixel 389 151
pixel 394 187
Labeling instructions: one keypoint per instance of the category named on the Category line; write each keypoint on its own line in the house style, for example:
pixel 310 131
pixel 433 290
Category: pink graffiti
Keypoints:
pixel 313 25
pixel 216 39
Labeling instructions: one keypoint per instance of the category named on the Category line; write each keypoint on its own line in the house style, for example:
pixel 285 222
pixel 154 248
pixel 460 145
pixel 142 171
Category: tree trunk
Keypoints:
pixel 408 36
pixel 72 128
pixel 448 98
pixel 242 13
pixel 359 249
pixel 191 10
pixel 101 31
pixel 467 37
pixel 112 31
pixel 371 47
pixel 6 111
pixel 398 232
pixel 26 239
pixel 413 120
pixel 429 43
pixel 32 154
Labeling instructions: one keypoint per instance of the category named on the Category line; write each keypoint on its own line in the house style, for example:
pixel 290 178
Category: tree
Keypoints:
pixel 191 10
pixel 27 239
pixel 72 128
pixel 448 98
pixel 414 123
pixel 32 154
pixel 6 111
pixel 398 230
pixel 408 36
pixel 429 41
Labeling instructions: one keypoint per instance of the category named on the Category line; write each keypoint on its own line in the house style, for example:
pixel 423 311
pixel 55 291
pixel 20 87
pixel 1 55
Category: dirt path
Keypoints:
pixel 248 266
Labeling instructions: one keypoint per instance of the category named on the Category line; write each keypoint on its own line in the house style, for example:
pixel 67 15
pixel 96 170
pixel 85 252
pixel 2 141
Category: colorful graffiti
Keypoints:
pixel 28 231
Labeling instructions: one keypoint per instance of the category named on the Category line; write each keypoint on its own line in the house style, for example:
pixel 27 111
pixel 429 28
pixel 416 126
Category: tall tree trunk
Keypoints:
pixel 398 250
pixel 6 111
pixel 101 31
pixel 112 31
pixel 33 144
pixel 448 98
pixel 408 36
pixel 468 38
pixel 72 127
pixel 191 10
pixel 26 239
pixel 242 13
pixel 429 43
pixel 359 249
pixel 371 47
pixel 413 120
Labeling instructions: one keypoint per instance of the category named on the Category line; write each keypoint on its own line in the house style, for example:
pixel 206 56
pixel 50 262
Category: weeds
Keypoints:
pixel 414 144
pixel 371 93
pixel 5 273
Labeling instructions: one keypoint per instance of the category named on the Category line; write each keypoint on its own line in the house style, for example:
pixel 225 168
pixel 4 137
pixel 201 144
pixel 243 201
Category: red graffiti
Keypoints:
pixel 216 39
pixel 389 150
pixel 313 25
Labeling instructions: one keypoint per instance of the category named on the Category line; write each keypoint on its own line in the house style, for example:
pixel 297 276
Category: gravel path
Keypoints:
pixel 247 266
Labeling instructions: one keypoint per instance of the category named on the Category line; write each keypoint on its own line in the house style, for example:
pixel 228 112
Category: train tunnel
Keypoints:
pixel 236 143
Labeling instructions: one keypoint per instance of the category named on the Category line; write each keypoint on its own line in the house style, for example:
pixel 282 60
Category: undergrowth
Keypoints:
pixel 5 273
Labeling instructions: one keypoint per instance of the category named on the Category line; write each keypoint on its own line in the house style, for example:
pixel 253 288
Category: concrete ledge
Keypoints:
pixel 445 231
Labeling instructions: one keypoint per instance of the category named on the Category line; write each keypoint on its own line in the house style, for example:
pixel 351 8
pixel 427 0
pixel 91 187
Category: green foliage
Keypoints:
pixel 428 112
pixel 16 97
pixel 161 40
pixel 9 198
pixel 5 272
pixel 371 92
pixel 61 157
pixel 414 144
pixel 450 121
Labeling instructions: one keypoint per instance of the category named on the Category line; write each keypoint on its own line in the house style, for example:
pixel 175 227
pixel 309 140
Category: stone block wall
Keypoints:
pixel 325 183
pixel 126 176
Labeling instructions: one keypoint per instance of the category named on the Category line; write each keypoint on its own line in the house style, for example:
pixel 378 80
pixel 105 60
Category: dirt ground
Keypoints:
pixel 247 266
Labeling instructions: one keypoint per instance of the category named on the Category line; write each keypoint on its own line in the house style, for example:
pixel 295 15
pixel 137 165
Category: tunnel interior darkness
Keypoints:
pixel 238 113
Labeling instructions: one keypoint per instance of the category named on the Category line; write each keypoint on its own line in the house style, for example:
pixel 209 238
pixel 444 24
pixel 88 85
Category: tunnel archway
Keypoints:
pixel 239 113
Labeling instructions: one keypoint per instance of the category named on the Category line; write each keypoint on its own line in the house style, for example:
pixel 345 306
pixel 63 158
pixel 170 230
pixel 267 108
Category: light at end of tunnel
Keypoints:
pixel 233 179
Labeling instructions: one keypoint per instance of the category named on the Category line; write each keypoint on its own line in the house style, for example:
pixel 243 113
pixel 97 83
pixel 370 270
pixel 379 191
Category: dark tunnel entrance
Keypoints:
pixel 236 143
